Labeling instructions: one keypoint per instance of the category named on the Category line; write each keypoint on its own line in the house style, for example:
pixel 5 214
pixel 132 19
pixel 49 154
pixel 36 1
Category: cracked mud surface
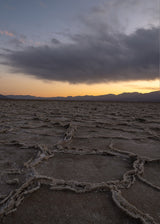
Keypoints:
pixel 85 168
pixel 48 207
pixel 79 162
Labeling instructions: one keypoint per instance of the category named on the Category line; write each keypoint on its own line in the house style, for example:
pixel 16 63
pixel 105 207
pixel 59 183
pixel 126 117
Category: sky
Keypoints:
pixel 70 47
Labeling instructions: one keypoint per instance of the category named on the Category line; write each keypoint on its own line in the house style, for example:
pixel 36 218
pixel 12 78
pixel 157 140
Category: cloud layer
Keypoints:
pixel 91 58
pixel 7 33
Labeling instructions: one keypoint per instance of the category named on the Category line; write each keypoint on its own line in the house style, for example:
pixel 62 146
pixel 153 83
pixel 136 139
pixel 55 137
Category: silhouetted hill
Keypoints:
pixel 127 97
pixel 3 97
pixel 24 97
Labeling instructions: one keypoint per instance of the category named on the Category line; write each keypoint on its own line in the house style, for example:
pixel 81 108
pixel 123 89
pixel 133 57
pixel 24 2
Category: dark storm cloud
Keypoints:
pixel 92 58
pixel 55 41
pixel 16 42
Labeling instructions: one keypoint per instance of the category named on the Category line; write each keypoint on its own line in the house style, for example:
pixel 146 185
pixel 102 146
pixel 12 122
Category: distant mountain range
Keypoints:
pixel 3 97
pixel 127 97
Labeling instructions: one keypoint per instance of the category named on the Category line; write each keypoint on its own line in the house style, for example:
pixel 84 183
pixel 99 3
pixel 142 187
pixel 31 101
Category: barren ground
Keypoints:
pixel 79 162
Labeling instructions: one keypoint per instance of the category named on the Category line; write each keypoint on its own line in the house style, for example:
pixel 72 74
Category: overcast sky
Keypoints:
pixel 87 41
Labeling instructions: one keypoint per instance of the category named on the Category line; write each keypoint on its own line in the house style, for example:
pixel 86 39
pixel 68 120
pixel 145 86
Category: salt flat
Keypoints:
pixel 79 162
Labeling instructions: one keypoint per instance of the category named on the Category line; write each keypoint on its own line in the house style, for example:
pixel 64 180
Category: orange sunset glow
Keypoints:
pixel 86 51
pixel 23 85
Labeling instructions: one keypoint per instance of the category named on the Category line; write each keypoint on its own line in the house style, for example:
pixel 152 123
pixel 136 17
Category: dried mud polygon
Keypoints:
pixel 67 207
pixel 85 168
pixel 79 162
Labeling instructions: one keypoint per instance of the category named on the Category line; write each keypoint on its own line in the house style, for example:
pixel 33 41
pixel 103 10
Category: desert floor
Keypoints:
pixel 79 162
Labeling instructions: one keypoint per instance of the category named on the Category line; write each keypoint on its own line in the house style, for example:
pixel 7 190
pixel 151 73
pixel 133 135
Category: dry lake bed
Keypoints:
pixel 79 162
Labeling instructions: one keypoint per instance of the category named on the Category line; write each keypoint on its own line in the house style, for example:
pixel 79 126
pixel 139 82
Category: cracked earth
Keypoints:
pixel 79 162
